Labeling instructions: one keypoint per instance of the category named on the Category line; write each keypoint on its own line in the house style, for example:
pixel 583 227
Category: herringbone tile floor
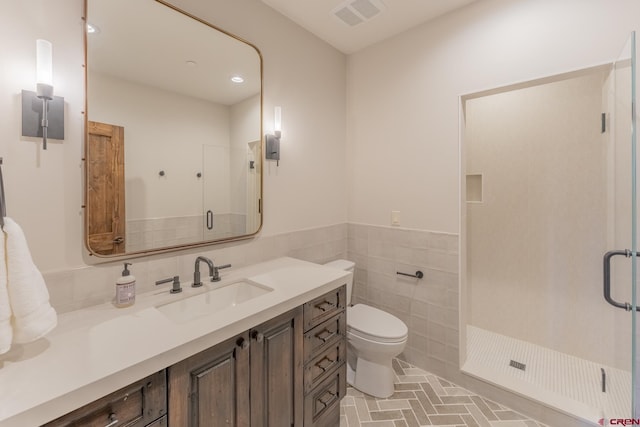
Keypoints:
pixel 423 399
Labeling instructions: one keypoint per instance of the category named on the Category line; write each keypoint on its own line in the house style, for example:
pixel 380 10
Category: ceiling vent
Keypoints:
pixel 354 12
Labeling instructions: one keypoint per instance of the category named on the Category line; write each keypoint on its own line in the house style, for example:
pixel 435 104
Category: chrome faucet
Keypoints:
pixel 213 271
pixel 196 273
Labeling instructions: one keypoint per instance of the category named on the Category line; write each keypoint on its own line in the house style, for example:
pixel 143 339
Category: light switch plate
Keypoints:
pixel 395 217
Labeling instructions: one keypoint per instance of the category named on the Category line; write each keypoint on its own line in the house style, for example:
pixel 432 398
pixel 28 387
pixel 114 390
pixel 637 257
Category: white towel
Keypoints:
pixel 6 331
pixel 33 316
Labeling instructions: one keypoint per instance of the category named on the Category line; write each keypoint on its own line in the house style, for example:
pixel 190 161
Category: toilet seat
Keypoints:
pixel 375 325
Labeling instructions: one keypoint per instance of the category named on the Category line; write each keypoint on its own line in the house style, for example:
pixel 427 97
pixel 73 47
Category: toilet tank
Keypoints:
pixel 346 265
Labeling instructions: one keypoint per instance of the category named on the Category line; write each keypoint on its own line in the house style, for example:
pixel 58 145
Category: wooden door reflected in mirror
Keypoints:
pixel 106 227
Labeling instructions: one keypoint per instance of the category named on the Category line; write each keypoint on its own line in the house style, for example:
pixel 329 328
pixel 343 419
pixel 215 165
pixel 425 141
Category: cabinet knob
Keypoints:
pixel 324 306
pixel 324 335
pixel 325 363
pixel 257 336
pixel 242 343
pixel 326 398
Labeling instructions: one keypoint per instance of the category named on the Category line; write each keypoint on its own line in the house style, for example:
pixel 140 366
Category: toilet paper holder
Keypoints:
pixel 418 275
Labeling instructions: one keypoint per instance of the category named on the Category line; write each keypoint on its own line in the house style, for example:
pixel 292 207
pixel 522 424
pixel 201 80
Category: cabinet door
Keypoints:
pixel 211 388
pixel 277 396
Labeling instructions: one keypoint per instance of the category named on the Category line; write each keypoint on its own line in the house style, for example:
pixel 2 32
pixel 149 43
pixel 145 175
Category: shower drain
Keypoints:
pixel 517 365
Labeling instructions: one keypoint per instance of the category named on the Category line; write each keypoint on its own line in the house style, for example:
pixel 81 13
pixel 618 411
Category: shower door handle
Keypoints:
pixel 607 279
pixel 209 220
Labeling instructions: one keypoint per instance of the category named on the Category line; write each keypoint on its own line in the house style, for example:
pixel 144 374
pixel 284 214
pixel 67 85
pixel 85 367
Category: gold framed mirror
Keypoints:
pixel 173 125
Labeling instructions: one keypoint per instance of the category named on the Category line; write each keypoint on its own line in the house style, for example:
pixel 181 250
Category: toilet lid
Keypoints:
pixel 374 324
pixel 341 264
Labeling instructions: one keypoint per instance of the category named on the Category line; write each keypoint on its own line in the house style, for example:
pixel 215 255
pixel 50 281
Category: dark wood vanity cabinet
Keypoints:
pixel 325 356
pixel 276 372
pixel 287 372
pixel 254 379
pixel 211 388
pixel 141 404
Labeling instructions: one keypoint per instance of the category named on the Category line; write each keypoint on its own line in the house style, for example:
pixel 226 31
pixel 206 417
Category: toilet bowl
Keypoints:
pixel 374 338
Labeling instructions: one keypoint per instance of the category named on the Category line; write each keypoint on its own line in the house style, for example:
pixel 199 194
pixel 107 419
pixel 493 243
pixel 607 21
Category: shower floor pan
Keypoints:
pixel 560 381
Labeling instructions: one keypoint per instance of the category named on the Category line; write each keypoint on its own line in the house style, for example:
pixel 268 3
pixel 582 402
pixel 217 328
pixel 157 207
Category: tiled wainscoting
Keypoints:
pixel 423 399
pixel 180 230
pixel 82 287
pixel 429 306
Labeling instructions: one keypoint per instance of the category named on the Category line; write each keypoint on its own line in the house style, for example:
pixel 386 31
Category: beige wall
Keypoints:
pixel 301 73
pixel 403 107
pixel 244 117
pixel 153 138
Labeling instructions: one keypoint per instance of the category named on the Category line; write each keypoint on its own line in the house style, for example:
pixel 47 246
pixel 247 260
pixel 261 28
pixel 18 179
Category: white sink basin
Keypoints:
pixel 213 301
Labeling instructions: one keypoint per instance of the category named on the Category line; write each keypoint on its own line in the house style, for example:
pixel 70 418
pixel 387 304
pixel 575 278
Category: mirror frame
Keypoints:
pixel 86 167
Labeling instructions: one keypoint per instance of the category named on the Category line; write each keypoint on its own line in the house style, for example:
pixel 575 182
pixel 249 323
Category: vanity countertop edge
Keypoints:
pixel 97 350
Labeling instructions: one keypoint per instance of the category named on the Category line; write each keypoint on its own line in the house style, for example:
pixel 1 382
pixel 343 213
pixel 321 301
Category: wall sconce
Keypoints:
pixel 43 113
pixel 273 141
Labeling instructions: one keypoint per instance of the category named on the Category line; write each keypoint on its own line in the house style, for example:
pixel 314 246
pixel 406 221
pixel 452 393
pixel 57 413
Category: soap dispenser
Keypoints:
pixel 125 288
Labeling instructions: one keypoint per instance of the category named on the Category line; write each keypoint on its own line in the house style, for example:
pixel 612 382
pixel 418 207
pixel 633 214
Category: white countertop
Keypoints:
pixel 100 349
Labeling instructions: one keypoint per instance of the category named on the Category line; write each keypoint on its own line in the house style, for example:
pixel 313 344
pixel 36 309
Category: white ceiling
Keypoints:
pixel 138 47
pixel 396 16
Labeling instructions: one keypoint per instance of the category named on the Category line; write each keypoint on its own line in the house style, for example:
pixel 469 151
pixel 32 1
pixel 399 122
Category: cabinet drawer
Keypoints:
pixel 330 418
pixel 323 365
pixel 320 337
pixel 320 309
pixel 136 405
pixel 321 403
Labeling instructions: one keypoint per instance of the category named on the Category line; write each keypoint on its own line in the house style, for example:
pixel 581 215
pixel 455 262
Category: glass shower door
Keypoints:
pixel 550 189
pixel 620 395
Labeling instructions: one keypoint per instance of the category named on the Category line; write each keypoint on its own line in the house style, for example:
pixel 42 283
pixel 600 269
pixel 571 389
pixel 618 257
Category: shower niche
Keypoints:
pixel 533 319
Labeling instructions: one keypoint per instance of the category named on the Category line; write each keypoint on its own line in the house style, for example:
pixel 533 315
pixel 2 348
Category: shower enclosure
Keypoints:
pixel 549 239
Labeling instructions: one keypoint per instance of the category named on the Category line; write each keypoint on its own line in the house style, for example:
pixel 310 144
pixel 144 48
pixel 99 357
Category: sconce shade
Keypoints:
pixel 272 142
pixel 277 122
pixel 44 68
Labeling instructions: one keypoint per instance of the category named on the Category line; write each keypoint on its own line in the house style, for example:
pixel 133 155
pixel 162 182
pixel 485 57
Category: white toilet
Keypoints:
pixel 374 338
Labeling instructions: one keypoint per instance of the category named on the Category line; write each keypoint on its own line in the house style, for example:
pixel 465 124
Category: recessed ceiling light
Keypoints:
pixel 92 29
pixel 191 64
pixel 237 79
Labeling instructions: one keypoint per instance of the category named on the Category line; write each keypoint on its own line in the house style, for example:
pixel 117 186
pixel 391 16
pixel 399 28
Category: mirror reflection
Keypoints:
pixel 173 144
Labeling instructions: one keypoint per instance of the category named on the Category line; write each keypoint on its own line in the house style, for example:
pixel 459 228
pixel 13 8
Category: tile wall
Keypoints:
pixel 90 285
pixel 429 306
